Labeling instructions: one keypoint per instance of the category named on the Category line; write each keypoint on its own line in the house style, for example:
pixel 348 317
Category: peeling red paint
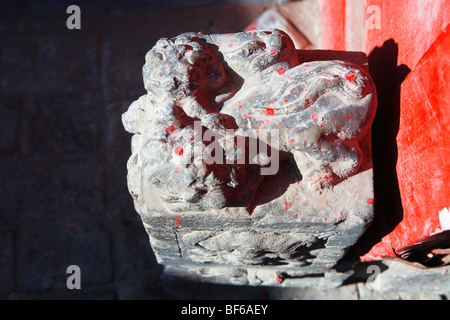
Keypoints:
pixel 269 112
pixel 278 279
pixel 287 205
pixel 179 151
pixel 177 221
pixel 350 76
pixel 170 130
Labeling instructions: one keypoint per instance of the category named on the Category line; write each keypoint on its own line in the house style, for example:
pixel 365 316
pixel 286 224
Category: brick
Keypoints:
pixel 49 64
pixel 9 125
pixel 134 253
pixel 45 252
pixel 62 124
pixel 116 139
pixel 120 64
pixel 7 263
pixel 41 189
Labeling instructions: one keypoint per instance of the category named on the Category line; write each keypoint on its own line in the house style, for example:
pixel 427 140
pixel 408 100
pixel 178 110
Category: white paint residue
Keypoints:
pixel 444 219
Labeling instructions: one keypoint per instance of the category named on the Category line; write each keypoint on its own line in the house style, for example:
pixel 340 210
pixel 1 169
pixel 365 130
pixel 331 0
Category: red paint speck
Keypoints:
pixel 281 71
pixel 273 51
pixel 177 221
pixel 269 112
pixel 240 106
pixel 278 279
pixel 350 76
pixel 295 216
pixel 177 169
pixel 279 122
pixel 230 45
pixel 306 141
pixel 314 116
pixel 228 35
pixel 347 117
pixel 287 205
pixel 179 151
pixel 170 130
pixel 291 141
pixel 134 121
pixel 370 201
pixel 306 101
pixel 285 100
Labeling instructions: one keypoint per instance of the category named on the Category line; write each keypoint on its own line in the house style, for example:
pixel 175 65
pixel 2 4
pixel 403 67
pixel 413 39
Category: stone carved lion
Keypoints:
pixel 243 82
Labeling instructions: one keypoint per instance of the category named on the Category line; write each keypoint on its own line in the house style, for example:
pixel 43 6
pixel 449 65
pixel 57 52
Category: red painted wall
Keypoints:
pixel 413 24
pixel 409 59
pixel 332 24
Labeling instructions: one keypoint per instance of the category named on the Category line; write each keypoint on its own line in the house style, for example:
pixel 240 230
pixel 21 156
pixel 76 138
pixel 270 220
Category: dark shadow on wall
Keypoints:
pixel 388 77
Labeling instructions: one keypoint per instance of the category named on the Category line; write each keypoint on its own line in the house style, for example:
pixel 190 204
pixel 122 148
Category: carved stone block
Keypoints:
pixel 250 165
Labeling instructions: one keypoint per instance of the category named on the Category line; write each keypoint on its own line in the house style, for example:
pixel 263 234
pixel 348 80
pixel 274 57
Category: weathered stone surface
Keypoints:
pixel 403 277
pixel 245 159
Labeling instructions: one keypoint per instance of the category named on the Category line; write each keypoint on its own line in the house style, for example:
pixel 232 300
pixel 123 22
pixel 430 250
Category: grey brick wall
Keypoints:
pixel 63 149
